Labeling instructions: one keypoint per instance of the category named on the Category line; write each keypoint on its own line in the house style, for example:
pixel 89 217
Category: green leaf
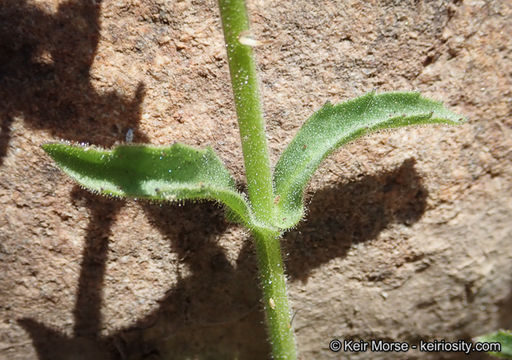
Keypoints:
pixel 504 338
pixel 333 126
pixel 174 173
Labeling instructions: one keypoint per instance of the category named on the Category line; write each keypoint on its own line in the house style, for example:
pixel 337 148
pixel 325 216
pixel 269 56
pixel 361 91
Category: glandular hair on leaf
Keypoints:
pixel 333 126
pixel 173 173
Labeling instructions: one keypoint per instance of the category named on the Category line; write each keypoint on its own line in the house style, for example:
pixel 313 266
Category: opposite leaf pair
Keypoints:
pixel 179 172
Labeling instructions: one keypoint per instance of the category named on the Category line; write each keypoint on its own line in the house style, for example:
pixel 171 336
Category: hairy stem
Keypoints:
pixel 244 81
pixel 275 298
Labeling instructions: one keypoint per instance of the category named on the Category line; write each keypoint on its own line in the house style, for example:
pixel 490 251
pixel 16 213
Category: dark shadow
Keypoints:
pixel 352 213
pixel 45 79
pixel 214 311
pixel 87 312
pixel 505 318
pixel 45 75
pixel 5 136
pixel 51 344
pixel 86 343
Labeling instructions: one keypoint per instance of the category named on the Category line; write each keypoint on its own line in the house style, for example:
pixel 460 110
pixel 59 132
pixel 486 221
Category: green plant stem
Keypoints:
pixel 235 24
pixel 275 298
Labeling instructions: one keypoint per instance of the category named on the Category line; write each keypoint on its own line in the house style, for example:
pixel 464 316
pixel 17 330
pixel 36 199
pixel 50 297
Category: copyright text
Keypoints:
pixel 423 346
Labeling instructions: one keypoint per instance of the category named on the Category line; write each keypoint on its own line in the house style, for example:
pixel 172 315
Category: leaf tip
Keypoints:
pixel 46 147
pixel 50 147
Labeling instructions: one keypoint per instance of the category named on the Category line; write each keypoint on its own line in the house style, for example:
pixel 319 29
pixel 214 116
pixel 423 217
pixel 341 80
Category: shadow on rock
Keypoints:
pixel 214 311
pixel 45 75
pixel 86 342
pixel 352 213
pixel 505 313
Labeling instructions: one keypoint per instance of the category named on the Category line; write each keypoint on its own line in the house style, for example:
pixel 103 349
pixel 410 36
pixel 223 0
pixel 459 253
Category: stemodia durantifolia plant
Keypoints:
pixel 274 200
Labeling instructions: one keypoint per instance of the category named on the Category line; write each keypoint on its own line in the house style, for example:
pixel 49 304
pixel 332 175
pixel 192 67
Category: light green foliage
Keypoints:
pixel 179 172
pixel 244 81
pixel 504 338
pixel 173 173
pixel 333 126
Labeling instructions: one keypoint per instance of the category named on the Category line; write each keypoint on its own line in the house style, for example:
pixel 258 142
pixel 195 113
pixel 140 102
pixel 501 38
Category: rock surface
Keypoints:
pixel 408 234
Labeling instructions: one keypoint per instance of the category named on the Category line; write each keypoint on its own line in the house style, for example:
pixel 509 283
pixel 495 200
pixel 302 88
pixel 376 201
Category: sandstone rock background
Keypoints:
pixel 408 235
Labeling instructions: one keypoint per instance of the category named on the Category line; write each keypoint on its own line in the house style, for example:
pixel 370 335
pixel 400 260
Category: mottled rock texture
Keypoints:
pixel 408 234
